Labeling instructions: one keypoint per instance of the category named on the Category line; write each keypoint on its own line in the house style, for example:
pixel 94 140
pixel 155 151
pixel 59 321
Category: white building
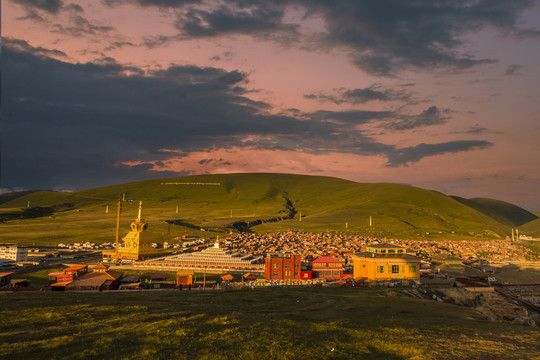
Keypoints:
pixel 13 252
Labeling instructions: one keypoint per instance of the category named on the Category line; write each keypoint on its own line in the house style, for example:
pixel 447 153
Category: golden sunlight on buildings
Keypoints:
pixel 385 262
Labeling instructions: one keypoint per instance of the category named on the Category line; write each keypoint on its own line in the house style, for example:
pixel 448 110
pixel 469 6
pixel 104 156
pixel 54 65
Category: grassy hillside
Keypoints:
pixel 503 212
pixel 323 323
pixel 214 202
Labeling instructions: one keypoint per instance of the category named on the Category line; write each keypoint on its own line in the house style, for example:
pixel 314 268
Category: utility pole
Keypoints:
pixel 204 279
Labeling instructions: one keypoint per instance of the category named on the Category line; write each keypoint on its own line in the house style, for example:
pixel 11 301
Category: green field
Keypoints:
pixel 326 204
pixel 315 323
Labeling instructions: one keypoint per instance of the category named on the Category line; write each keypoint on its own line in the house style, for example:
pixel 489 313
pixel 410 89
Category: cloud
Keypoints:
pixel 74 125
pixel 263 21
pixel 166 4
pixel 407 155
pixel 431 116
pixel 476 130
pixel 23 45
pixel 80 26
pixel 50 6
pixel 363 95
pixel 513 70
pixel 382 37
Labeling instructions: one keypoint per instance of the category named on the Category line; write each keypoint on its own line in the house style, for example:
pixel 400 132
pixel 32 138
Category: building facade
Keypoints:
pixel 283 267
pixel 13 252
pixel 213 259
pixel 327 268
pixel 385 262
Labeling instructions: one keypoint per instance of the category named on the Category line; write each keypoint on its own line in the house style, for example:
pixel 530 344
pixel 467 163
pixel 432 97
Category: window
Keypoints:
pixel 380 269
pixel 287 266
pixel 275 274
pixel 412 268
pixel 287 273
pixel 296 265
pixel 395 269
pixel 296 273
pixel 275 265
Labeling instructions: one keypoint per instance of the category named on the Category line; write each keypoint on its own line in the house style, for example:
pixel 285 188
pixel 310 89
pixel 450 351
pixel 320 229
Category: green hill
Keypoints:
pixel 215 202
pixel 503 212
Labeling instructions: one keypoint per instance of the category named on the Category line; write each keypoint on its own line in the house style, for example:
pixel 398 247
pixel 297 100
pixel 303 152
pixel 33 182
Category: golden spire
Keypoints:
pixel 139 217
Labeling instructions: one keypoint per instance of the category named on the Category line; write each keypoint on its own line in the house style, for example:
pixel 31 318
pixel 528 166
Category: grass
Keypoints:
pixel 325 203
pixel 322 323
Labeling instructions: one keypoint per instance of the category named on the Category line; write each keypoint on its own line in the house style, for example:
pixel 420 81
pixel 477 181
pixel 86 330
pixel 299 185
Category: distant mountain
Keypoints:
pixel 13 195
pixel 264 202
pixel 506 213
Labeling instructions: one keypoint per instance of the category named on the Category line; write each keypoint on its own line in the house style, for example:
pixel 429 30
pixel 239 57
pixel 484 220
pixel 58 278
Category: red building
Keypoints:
pixel 306 274
pixel 327 268
pixel 283 267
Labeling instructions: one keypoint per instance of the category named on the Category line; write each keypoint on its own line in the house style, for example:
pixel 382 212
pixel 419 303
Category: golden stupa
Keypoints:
pixel 137 244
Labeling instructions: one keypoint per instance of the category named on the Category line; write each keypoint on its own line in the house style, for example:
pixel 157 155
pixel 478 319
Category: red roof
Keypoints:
pixel 327 259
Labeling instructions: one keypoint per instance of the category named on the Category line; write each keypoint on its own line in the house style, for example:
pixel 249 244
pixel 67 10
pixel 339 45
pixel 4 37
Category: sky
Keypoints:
pixel 437 94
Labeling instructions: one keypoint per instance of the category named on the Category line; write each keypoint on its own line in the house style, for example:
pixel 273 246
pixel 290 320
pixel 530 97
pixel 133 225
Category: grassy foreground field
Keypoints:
pixel 323 323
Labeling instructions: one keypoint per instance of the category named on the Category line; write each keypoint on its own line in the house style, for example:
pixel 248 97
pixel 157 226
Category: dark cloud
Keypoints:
pixel 166 4
pixel 513 70
pixel 80 26
pixel 265 21
pixel 72 125
pixel 383 37
pixel 50 6
pixel 23 45
pixel 364 95
pixel 431 116
pixel 400 157
pixel 476 130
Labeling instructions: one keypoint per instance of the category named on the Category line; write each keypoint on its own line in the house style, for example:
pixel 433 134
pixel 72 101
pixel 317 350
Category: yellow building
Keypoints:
pixel 137 243
pixel 385 262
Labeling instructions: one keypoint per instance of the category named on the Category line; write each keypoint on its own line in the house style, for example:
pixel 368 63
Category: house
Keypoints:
pixel 100 268
pixel 77 270
pixel 283 266
pixel 250 277
pixel 184 278
pixel 226 278
pixel 109 280
pixel 327 268
pixel 13 252
pixel 5 279
pixel 61 277
pixel 385 262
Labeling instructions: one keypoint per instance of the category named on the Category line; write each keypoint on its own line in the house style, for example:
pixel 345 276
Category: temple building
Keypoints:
pixel 213 259
pixel 137 243
pixel 327 268
pixel 283 266
pixel 385 262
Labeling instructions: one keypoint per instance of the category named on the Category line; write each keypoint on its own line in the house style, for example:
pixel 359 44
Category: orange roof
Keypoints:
pixel 75 267
pixel 5 274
